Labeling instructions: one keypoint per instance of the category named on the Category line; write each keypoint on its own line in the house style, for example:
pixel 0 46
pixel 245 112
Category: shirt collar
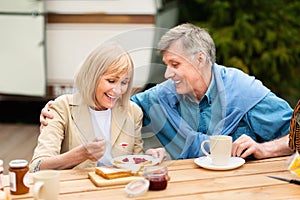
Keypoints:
pixel 208 94
pixel 210 89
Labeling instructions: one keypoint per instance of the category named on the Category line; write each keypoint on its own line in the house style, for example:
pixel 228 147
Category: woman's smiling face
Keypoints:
pixel 110 88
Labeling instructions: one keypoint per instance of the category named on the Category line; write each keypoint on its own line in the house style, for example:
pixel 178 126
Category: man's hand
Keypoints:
pixel 245 146
pixel 45 114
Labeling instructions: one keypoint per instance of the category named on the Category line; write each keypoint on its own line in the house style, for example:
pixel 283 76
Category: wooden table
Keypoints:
pixel 189 181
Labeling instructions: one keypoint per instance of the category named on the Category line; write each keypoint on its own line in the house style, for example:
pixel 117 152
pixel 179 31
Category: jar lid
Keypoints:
pixel 137 187
pixel 18 163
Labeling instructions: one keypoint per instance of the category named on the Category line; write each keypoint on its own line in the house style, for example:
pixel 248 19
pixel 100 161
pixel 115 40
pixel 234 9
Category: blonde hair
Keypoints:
pixel 108 58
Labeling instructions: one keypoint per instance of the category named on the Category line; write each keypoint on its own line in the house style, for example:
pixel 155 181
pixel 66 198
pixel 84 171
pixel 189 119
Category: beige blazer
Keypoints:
pixel 72 126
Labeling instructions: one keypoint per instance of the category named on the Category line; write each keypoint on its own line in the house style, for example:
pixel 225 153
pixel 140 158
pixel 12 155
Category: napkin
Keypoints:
pixel 294 165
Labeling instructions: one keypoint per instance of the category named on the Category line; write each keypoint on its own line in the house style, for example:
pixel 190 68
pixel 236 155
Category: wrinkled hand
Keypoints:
pixel 95 149
pixel 159 153
pixel 45 114
pixel 245 146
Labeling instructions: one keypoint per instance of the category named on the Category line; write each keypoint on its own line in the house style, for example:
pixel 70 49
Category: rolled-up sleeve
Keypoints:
pixel 270 118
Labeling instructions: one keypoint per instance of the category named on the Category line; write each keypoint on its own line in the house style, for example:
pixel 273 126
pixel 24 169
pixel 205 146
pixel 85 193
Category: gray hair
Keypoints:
pixel 106 58
pixel 194 40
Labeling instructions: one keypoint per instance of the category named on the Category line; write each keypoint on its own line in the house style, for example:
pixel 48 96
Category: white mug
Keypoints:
pixel 220 149
pixel 46 184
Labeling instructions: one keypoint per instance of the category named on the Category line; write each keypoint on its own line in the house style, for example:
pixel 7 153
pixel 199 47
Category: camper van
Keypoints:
pixel 44 42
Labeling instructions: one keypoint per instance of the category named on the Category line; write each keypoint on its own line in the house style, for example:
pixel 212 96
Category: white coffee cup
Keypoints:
pixel 220 149
pixel 46 184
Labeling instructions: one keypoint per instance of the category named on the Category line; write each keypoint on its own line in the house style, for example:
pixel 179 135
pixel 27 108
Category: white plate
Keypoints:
pixel 131 165
pixel 206 163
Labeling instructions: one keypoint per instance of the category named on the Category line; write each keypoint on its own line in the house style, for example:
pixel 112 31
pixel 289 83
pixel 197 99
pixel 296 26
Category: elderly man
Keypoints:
pixel 201 98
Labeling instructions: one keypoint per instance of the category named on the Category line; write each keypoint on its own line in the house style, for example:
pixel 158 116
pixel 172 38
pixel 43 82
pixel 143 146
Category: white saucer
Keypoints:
pixel 206 163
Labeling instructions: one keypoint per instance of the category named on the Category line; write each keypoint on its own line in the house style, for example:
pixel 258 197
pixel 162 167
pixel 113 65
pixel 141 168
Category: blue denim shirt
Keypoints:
pixel 259 122
pixel 266 120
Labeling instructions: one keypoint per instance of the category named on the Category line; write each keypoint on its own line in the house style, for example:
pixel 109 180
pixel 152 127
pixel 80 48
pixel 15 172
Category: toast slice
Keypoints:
pixel 112 173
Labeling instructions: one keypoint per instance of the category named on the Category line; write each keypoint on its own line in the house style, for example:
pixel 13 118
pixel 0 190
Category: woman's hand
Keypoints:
pixel 95 149
pixel 159 153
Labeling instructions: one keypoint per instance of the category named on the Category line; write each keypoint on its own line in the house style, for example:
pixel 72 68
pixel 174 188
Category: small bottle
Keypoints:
pixel 1 175
pixel 18 177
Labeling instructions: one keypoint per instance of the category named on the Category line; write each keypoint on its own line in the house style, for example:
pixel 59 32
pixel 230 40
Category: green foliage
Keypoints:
pixel 261 37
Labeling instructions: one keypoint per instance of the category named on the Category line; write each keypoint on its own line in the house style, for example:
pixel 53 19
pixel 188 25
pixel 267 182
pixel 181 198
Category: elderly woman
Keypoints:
pixel 90 127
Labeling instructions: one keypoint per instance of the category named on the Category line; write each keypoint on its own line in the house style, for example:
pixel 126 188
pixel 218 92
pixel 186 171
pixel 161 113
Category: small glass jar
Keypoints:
pixel 157 176
pixel 1 175
pixel 18 177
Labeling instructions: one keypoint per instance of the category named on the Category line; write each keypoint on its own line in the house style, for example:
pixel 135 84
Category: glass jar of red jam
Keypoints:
pixel 18 177
pixel 157 176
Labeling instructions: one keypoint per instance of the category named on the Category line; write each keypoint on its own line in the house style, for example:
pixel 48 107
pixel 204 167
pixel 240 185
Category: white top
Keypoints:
pixel 102 122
